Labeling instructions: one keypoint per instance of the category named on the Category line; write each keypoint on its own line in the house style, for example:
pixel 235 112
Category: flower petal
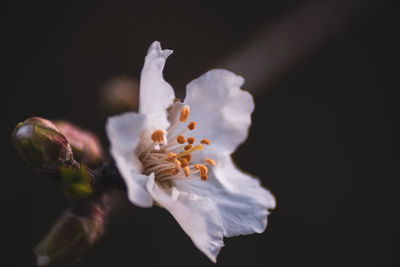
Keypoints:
pixel 124 132
pixel 156 95
pixel 196 215
pixel 241 201
pixel 221 109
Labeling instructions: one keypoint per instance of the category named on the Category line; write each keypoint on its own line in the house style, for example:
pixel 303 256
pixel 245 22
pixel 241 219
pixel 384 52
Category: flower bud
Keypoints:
pixel 85 145
pixel 73 234
pixel 42 145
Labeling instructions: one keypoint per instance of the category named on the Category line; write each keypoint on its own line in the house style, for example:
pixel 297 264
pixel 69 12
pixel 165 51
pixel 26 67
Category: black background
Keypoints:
pixel 323 135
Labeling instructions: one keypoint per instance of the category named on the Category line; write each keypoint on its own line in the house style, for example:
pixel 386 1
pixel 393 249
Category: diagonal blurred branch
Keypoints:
pixel 293 37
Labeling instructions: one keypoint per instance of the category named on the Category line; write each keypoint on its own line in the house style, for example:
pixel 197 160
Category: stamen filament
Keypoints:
pixel 184 153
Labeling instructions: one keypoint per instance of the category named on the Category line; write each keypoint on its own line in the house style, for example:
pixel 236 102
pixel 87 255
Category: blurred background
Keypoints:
pixel 324 75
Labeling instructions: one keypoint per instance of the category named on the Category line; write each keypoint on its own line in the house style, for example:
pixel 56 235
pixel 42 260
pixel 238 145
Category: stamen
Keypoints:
pixel 186 170
pixel 205 141
pixel 189 146
pixel 158 136
pixel 188 157
pixel 184 153
pixel 190 140
pixel 180 139
pixel 211 162
pixel 169 171
pixel 203 171
pixel 191 125
pixel 184 162
pixel 177 164
pixel 184 113
pixel 171 156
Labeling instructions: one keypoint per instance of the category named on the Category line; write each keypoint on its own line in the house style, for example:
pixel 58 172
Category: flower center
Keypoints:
pixel 172 159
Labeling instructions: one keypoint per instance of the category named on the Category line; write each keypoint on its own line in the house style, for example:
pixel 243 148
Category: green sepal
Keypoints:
pixel 77 182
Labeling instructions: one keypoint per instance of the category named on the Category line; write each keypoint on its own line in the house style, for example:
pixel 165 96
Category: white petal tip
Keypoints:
pixel 155 47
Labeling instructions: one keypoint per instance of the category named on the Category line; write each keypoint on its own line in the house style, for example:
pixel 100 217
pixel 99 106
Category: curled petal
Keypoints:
pixel 124 133
pixel 195 214
pixel 221 109
pixel 156 95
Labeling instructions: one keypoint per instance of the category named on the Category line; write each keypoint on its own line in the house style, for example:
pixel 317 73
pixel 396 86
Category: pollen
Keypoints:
pixel 186 170
pixel 184 113
pixel 205 141
pixel 158 136
pixel 191 125
pixel 190 140
pixel 211 162
pixel 187 147
pixel 180 139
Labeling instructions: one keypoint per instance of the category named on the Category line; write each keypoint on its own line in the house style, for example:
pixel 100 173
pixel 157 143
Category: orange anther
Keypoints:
pixel 211 162
pixel 177 164
pixel 181 139
pixel 189 146
pixel 186 170
pixel 203 169
pixel 191 125
pixel 184 113
pixel 205 141
pixel 184 162
pixel 158 136
pixel 204 178
pixel 188 157
pixel 190 140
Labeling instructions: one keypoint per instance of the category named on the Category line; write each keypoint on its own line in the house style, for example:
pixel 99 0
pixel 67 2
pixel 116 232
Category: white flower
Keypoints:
pixel 178 155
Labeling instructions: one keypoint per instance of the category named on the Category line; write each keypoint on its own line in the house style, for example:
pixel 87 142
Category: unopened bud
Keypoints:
pixel 73 234
pixel 85 145
pixel 42 145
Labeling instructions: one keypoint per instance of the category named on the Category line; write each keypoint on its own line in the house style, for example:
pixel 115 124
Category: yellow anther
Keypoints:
pixel 211 162
pixel 186 170
pixel 189 146
pixel 191 125
pixel 184 162
pixel 184 113
pixel 180 139
pixel 190 140
pixel 184 153
pixel 158 136
pixel 205 141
